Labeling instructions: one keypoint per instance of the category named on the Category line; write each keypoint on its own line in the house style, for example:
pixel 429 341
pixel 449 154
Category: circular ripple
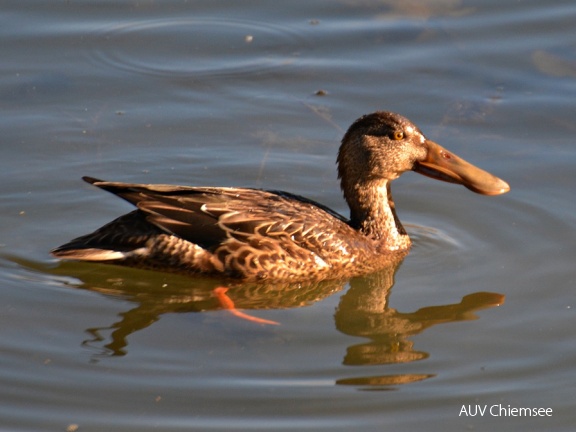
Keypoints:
pixel 195 47
pixel 434 244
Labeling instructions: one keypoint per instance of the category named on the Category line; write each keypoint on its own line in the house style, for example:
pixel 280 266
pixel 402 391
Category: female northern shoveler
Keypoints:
pixel 253 234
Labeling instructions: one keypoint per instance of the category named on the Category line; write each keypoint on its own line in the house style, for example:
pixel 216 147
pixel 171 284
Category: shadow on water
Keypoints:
pixel 363 310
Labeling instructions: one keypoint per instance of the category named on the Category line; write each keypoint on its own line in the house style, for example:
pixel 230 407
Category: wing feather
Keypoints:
pixel 208 216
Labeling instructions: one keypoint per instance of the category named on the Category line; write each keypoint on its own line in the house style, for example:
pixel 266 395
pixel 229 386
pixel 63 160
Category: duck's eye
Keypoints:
pixel 398 135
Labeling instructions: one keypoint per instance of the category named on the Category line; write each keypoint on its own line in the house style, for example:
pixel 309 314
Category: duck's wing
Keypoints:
pixel 207 216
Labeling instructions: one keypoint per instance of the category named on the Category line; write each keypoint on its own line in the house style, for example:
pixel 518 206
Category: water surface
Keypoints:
pixel 259 94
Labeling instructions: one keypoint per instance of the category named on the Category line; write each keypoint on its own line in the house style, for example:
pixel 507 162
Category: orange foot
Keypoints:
pixel 228 304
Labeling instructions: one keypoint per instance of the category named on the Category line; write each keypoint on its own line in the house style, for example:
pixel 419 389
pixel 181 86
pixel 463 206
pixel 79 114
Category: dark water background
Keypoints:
pixel 256 93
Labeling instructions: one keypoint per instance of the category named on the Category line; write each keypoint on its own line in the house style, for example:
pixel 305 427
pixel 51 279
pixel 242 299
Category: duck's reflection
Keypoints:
pixel 363 310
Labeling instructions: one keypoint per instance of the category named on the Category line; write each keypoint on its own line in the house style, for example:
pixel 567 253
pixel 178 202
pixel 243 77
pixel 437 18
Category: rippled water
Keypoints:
pixel 258 94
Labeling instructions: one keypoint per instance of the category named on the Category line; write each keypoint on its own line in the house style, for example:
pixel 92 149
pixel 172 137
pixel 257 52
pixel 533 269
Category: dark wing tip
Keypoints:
pixel 91 180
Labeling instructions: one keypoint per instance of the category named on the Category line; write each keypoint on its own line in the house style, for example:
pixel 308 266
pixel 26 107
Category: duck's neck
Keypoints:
pixel 372 213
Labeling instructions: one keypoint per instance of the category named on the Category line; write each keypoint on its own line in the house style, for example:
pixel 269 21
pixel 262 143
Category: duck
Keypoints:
pixel 257 235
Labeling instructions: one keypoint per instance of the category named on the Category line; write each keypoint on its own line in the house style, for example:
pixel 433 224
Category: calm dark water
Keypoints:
pixel 226 93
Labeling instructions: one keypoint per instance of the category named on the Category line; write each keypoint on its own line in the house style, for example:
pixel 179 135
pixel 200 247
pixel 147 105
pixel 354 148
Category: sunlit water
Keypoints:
pixel 258 94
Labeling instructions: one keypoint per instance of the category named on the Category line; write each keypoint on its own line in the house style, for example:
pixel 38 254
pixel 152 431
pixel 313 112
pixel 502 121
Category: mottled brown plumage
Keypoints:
pixel 252 234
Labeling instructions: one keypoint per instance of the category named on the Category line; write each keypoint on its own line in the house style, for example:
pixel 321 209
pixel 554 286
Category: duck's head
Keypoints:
pixel 382 145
